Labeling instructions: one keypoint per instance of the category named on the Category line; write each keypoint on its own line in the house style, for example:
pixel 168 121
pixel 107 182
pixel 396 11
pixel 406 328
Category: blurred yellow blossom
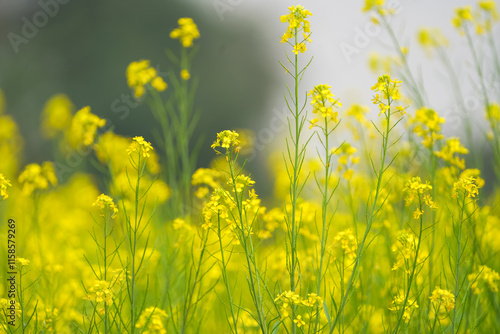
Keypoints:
pixel 4 183
pixel 185 75
pixel 186 32
pixel 397 304
pixel 467 186
pixel 84 127
pixel 56 115
pixel 139 74
pixel 450 151
pixel 484 277
pixel 443 297
pixel 35 177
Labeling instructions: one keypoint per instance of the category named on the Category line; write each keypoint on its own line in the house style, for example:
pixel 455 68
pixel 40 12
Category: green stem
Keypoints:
pixel 255 287
pixel 457 264
pixel 324 214
pixel 412 275
pixel 373 214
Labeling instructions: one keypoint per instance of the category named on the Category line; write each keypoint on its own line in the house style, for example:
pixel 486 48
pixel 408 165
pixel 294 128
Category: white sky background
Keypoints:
pixel 337 21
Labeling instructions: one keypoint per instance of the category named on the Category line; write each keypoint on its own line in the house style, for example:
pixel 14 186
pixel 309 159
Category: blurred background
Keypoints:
pixel 82 49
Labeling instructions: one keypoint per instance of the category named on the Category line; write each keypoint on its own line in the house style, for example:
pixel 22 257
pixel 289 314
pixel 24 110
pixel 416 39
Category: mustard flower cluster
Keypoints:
pixel 346 159
pixel 431 38
pixel 140 147
pixel 106 205
pixel 99 292
pixel 227 139
pixel 427 126
pixel 297 22
pixel 379 8
pixel 484 277
pixel 241 182
pixel 23 262
pixel 139 74
pixel 56 115
pixel 405 249
pixel 443 297
pixel 205 178
pixel 220 205
pixel 152 321
pixel 323 102
pixel 389 92
pixel 415 188
pixel 462 15
pixel 35 176
pixel 493 113
pixel 487 13
pixel 84 127
pixel 397 304
pixel 4 183
pixel 467 186
pixel 289 298
pixel 186 32
pixel 449 152
pixel 347 241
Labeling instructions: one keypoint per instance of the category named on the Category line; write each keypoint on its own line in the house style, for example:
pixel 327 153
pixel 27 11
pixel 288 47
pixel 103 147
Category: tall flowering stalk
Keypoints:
pixel 381 13
pixel 324 102
pixel 417 193
pixel 138 151
pixel 176 116
pixel 387 90
pixel 463 20
pixel 465 191
pixel 297 35
pixel 107 212
pixel 244 217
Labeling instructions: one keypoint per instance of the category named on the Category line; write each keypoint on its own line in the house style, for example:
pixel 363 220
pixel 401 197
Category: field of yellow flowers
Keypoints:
pixel 379 222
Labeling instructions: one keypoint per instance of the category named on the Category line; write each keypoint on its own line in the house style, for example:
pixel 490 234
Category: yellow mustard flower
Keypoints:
pixel 427 126
pixel 414 187
pixel 56 115
pixel 405 249
pixel 185 75
pixel 106 205
pixel 241 182
pixel 347 241
pixel 298 320
pixel 139 74
pixel 450 151
pixel 140 146
pixel 152 321
pixel 100 292
pixel 467 186
pixel 84 126
pixel 23 262
pixel 35 177
pixel 431 38
pixel 397 304
pixel 389 90
pixel 227 139
pixel 297 23
pixel 443 297
pixel 186 32
pixel 484 277
pixel 462 15
pixel 323 102
pixel 4 183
